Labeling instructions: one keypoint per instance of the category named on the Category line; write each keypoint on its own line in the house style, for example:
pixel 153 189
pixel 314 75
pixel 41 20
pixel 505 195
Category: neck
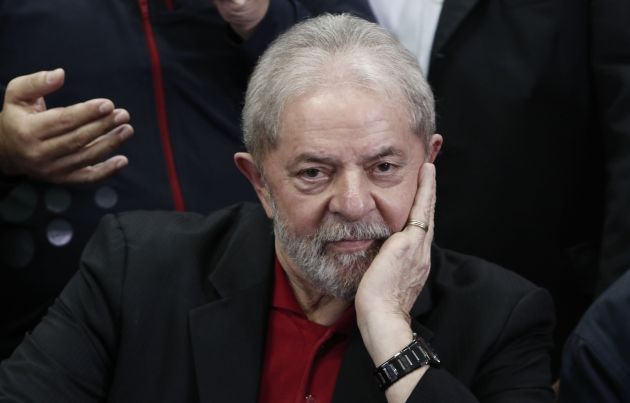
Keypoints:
pixel 318 307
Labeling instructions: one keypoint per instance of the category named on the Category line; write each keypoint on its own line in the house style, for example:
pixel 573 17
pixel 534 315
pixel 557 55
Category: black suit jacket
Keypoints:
pixel 533 101
pixel 173 307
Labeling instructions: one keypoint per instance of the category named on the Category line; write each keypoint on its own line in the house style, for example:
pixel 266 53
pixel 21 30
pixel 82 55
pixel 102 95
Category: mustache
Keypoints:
pixel 333 230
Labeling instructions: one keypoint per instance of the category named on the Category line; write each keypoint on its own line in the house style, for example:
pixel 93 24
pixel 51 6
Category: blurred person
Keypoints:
pixel 532 97
pixel 596 357
pixel 177 67
pixel 329 291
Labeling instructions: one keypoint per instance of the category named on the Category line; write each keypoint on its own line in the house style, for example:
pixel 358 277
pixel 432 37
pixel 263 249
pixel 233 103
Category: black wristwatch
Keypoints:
pixel 416 354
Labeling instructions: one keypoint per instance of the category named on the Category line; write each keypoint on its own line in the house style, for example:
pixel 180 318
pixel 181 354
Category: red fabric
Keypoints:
pixel 302 358
pixel 160 107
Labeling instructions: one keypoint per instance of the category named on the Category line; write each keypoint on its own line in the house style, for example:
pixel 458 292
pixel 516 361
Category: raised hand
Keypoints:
pixel 394 281
pixel 60 145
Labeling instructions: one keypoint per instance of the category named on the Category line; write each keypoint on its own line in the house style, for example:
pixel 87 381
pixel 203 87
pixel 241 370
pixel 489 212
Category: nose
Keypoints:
pixel 352 199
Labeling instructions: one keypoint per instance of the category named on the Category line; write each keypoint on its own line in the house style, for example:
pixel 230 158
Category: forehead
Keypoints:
pixel 344 120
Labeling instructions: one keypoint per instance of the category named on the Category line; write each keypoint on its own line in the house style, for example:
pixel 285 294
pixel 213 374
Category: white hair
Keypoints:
pixel 332 50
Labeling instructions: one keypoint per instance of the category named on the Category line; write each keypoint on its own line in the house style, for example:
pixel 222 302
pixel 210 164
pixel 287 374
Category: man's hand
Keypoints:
pixel 242 15
pixel 392 284
pixel 59 145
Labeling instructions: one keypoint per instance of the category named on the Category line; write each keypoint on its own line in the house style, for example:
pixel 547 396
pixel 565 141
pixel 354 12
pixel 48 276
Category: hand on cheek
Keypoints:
pixel 397 275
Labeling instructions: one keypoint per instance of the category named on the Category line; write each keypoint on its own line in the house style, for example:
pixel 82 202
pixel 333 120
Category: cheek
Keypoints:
pixel 395 206
pixel 303 214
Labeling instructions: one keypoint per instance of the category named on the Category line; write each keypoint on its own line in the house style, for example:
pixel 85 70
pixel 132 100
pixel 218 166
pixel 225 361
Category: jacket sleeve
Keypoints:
pixel 591 375
pixel 70 354
pixel 282 14
pixel 7 183
pixel 595 364
pixel 516 367
pixel 610 50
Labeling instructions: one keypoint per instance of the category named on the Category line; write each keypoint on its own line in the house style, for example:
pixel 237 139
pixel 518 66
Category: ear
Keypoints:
pixel 435 144
pixel 245 163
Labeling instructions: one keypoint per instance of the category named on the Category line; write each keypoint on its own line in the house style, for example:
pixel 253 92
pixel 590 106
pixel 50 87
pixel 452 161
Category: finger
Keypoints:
pixel 96 152
pixel 95 173
pixel 426 247
pixel 75 140
pixel 29 88
pixel 421 209
pixel 57 121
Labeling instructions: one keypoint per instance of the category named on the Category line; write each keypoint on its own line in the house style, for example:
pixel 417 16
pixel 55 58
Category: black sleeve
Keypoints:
pixel 70 355
pixel 589 375
pixel 595 365
pixel 516 368
pixel 610 50
pixel 6 182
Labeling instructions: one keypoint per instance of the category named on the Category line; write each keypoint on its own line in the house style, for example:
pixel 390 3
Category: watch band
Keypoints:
pixel 416 354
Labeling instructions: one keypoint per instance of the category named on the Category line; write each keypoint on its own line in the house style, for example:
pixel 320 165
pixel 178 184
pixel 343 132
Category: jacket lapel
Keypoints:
pixel 228 334
pixel 453 14
pixel 228 339
pixel 355 382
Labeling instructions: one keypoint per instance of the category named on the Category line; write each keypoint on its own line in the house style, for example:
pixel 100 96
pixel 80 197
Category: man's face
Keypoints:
pixel 342 178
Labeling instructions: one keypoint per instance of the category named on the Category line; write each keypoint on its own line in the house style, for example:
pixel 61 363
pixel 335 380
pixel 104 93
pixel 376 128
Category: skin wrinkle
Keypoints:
pixel 329 272
pixel 328 142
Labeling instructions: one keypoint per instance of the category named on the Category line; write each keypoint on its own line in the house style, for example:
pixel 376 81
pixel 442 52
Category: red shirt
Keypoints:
pixel 302 358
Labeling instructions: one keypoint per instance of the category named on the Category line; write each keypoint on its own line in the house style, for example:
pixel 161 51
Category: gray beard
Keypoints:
pixel 335 274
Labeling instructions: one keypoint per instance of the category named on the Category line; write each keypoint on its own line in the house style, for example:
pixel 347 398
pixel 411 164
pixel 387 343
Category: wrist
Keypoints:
pixel 384 336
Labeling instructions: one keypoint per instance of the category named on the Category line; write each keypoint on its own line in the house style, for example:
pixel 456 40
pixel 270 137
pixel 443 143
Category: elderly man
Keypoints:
pixel 339 302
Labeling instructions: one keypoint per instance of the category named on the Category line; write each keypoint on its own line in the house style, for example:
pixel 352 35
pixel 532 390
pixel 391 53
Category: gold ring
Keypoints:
pixel 419 224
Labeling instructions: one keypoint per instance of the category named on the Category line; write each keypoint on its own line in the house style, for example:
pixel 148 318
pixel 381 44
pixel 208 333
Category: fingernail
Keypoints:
pixel 121 163
pixel 120 116
pixel 124 132
pixel 53 76
pixel 105 107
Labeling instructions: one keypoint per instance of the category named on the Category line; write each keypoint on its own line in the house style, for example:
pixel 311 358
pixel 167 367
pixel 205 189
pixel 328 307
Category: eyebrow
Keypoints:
pixel 384 152
pixel 319 159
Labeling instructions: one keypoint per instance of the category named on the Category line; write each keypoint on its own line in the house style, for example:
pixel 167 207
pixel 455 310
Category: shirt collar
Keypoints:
pixel 284 299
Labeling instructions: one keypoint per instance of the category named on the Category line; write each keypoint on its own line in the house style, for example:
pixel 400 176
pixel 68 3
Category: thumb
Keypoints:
pixel 32 87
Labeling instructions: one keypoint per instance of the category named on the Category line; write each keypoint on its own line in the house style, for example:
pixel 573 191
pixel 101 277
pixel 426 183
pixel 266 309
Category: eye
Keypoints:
pixel 311 179
pixel 384 167
pixel 311 173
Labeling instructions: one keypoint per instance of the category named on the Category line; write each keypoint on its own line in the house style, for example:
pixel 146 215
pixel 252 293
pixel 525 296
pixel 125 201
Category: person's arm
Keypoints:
pixel 591 374
pixel 610 52
pixel 516 369
pixel 70 355
pixel 595 358
pixel 392 284
pixel 65 145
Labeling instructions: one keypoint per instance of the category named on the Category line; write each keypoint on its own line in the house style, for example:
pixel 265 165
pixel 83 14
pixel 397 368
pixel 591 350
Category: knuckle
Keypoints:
pixel 13 87
pixel 34 155
pixel 65 119
pixel 23 134
pixel 75 142
pixel 12 83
